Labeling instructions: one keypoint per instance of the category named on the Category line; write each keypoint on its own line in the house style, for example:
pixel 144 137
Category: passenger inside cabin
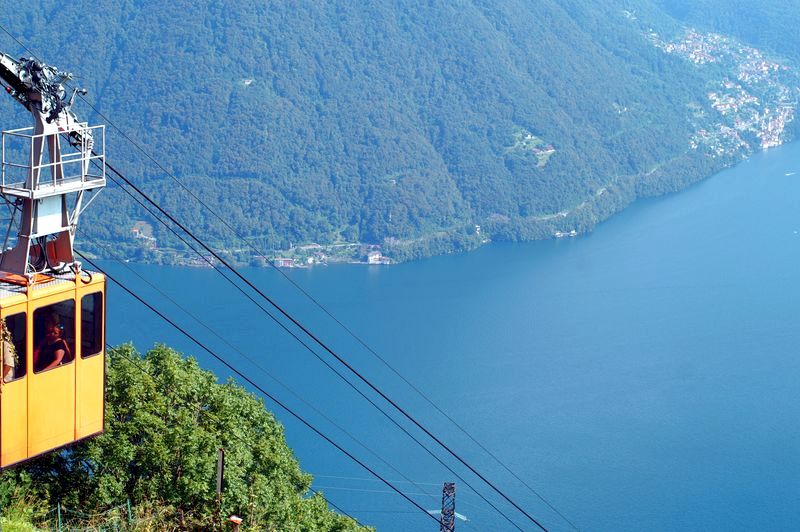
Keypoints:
pixel 9 353
pixel 52 350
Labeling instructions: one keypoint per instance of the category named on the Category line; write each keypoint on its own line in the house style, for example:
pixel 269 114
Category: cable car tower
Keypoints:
pixel 52 314
pixel 46 197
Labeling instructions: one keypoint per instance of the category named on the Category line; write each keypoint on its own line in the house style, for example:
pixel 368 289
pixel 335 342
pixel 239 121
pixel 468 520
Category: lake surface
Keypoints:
pixel 642 377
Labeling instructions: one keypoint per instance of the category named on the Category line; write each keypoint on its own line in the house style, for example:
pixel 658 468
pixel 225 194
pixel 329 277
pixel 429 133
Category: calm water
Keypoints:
pixel 643 377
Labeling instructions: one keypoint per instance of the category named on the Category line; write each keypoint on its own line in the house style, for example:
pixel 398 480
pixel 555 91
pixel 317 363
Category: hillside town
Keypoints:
pixel 750 106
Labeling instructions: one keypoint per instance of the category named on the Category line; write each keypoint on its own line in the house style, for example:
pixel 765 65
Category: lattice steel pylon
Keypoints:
pixel 447 521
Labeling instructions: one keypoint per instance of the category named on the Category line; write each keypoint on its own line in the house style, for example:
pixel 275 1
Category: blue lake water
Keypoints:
pixel 642 377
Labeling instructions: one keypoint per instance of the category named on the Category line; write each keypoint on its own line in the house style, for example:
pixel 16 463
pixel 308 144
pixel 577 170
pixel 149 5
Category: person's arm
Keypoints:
pixel 9 361
pixel 58 356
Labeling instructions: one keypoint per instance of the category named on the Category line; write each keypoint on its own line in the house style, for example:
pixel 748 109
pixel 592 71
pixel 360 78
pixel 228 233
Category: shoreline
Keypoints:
pixel 613 197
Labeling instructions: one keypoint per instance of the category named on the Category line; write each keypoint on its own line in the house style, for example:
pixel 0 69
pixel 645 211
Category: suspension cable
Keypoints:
pixel 322 360
pixel 137 363
pixel 323 345
pixel 256 386
pixel 255 363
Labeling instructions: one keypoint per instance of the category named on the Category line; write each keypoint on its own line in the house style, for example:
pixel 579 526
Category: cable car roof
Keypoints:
pixel 53 282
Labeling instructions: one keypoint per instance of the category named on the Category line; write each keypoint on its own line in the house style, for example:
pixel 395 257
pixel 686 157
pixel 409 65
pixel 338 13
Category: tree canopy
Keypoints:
pixel 165 420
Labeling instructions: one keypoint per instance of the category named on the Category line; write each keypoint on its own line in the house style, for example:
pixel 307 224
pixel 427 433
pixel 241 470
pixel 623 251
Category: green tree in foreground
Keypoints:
pixel 163 429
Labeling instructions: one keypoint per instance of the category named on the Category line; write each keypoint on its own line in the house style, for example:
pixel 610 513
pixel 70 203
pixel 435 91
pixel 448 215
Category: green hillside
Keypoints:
pixel 383 122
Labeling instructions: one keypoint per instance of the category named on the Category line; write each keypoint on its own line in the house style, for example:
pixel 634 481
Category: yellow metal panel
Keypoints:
pixel 91 374
pixel 89 406
pixel 51 409
pixel 51 393
pixel 14 422
pixel 14 407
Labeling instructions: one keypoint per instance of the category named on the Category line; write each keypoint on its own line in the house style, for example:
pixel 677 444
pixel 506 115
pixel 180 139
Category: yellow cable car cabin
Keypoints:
pixel 53 364
pixel 53 314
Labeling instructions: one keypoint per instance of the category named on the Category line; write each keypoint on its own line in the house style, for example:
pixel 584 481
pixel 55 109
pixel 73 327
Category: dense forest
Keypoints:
pixel 422 128
pixel 155 466
pixel 768 25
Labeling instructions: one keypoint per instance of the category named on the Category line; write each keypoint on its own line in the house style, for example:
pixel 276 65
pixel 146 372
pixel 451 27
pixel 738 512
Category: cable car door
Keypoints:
pixel 51 383
pixel 90 363
pixel 14 389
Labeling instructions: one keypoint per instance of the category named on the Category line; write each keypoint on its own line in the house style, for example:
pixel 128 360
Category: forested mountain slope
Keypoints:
pixel 391 123
pixel 768 25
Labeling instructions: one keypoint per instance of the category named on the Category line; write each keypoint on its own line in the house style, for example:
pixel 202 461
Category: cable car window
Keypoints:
pixel 53 335
pixel 12 338
pixel 91 325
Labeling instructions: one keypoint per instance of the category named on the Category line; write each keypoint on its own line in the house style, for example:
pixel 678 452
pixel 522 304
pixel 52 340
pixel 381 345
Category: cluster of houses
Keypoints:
pixel 306 256
pixel 759 103
pixel 375 257
pixel 697 47
pixel 143 231
pixel 372 257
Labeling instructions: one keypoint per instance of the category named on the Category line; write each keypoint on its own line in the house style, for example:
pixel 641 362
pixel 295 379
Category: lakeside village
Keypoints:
pixel 752 105
pixel 295 257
